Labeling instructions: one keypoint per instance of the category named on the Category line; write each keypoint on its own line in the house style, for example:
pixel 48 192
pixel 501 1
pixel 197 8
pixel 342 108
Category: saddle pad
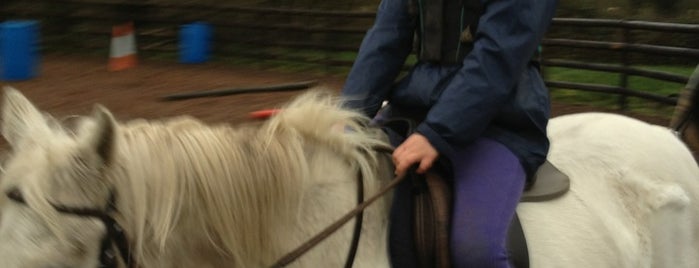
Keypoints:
pixel 549 183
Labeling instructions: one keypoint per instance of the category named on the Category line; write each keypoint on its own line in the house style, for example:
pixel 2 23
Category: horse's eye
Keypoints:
pixel 15 195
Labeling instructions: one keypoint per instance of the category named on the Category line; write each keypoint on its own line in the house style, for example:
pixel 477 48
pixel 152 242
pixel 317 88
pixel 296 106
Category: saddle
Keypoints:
pixel 432 199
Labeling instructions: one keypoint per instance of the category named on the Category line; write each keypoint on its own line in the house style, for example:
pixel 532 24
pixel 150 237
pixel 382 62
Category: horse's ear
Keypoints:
pixel 18 116
pixel 101 137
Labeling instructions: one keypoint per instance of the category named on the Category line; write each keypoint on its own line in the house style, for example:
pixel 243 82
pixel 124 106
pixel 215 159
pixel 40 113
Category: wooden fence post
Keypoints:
pixel 623 76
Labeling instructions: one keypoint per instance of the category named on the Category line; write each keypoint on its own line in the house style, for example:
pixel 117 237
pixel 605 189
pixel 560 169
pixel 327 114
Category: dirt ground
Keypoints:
pixel 69 85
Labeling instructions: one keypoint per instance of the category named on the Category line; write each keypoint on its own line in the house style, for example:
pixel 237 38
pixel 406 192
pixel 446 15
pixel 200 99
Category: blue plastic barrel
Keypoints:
pixel 195 41
pixel 19 41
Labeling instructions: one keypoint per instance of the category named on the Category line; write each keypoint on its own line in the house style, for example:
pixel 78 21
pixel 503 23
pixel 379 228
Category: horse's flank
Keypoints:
pixel 633 199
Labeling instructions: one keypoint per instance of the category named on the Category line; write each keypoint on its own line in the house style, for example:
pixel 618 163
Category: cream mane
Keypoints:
pixel 232 185
pixel 183 185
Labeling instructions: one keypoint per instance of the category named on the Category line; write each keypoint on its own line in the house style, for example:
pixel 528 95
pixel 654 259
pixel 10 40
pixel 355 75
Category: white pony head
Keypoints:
pixel 45 161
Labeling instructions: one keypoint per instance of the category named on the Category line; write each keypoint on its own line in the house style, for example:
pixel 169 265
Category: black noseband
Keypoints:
pixel 113 236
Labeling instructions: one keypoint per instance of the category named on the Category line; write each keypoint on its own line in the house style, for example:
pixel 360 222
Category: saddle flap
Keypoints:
pixel 550 184
pixel 432 208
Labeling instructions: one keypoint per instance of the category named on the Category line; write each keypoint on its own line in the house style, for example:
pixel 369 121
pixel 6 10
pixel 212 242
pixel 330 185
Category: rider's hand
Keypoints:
pixel 416 149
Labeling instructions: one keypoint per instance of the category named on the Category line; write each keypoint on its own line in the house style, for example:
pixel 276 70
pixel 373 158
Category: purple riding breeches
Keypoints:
pixel 488 181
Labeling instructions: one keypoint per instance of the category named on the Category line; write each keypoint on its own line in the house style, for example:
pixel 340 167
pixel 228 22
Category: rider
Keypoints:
pixel 481 104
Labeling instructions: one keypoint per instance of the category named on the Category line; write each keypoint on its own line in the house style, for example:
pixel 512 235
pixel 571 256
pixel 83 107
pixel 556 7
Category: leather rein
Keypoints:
pixel 356 212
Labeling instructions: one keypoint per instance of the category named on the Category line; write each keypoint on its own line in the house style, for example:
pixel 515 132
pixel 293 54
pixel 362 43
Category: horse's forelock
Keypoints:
pixel 50 171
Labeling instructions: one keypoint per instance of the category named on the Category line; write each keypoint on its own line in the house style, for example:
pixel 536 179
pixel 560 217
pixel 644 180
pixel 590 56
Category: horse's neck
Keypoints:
pixel 162 209
pixel 317 201
pixel 331 196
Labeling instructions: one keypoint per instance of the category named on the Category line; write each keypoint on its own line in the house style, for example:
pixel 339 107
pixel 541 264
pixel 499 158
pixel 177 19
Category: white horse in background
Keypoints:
pixel 189 194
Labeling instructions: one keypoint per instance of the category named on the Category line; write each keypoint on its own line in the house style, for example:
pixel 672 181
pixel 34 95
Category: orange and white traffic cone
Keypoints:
pixel 122 53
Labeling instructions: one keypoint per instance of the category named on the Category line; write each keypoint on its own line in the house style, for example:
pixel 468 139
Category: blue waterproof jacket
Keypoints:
pixel 496 91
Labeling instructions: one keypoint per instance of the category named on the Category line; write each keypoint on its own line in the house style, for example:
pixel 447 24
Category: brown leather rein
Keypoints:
pixel 356 212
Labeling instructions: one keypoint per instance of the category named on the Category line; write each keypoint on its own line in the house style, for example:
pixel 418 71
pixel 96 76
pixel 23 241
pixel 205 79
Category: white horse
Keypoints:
pixel 194 195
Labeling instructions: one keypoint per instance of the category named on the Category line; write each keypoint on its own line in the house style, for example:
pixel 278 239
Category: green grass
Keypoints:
pixel 604 100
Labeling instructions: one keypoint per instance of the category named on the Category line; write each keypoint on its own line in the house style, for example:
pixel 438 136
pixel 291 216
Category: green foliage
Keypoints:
pixel 605 100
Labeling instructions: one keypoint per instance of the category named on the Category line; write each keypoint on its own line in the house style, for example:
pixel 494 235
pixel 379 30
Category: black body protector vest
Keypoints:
pixel 445 29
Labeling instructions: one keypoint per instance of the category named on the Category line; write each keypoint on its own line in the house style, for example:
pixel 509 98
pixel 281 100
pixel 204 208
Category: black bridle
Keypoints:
pixel 113 237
